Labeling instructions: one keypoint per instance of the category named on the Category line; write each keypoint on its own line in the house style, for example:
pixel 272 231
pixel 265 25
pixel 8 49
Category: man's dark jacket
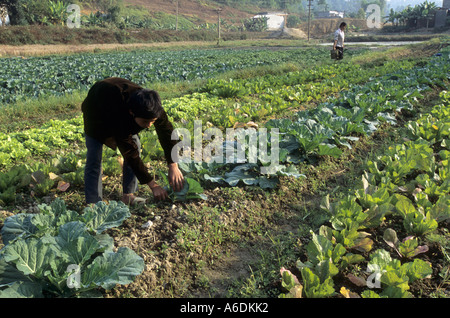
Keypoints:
pixel 107 119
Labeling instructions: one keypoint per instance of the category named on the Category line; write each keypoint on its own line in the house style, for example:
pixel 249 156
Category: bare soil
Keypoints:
pixel 200 10
pixel 48 49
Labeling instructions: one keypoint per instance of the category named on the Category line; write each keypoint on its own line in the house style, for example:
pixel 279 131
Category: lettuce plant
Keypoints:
pixel 290 283
pixel 415 221
pixel 61 253
pixel 322 265
pixel 17 177
pixel 319 285
pixel 408 248
pixel 393 276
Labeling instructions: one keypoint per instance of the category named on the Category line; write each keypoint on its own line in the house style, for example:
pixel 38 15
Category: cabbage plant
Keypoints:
pixel 61 253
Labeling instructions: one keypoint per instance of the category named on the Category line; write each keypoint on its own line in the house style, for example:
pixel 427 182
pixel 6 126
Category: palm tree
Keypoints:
pixel 427 10
pixel 57 12
pixel 393 17
pixel 411 16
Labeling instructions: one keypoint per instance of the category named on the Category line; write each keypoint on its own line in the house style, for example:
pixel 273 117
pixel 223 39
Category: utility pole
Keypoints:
pixel 176 26
pixel 218 24
pixel 285 14
pixel 309 17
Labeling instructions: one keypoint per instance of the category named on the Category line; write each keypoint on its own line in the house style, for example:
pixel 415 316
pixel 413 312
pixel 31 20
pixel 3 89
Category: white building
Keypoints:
pixel 329 14
pixel 275 20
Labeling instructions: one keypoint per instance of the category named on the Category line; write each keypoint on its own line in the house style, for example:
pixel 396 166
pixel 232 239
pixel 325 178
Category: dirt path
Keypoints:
pixel 381 43
pixel 38 50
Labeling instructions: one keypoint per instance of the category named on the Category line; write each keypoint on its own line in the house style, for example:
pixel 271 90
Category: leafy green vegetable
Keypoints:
pixel 290 283
pixel 41 248
pixel 44 77
pixel 415 221
pixel 314 287
pixel 395 277
pixel 191 190
pixel 407 248
pixel 409 180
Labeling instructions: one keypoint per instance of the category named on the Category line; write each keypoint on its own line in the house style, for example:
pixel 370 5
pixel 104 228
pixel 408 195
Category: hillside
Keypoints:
pixel 201 10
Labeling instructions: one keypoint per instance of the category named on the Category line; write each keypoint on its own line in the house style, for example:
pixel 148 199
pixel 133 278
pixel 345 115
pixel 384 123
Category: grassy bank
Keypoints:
pixel 40 34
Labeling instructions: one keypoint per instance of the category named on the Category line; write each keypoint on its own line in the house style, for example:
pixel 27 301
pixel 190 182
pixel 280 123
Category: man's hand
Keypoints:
pixel 158 192
pixel 176 179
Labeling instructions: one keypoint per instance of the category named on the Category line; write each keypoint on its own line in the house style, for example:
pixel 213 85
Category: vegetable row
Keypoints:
pixel 411 181
pixel 324 130
pixel 25 78
pixel 333 125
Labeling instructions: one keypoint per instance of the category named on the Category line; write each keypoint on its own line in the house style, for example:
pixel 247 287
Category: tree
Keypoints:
pixel 57 12
pixel 256 24
pixel 23 12
pixel 114 14
pixel 427 10
pixel 393 17
pixel 361 14
pixel 324 4
pixel 16 11
pixel 414 16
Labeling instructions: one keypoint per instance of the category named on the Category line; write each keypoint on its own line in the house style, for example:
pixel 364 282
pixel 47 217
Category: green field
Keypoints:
pixel 357 204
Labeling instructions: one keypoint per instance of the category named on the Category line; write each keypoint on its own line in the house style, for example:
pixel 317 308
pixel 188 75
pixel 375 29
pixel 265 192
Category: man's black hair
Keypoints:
pixel 146 104
pixel 343 24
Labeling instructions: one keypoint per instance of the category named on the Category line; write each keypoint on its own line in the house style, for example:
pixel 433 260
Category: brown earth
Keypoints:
pixel 201 10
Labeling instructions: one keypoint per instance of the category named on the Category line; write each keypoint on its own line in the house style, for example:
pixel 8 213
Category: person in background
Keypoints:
pixel 114 112
pixel 338 43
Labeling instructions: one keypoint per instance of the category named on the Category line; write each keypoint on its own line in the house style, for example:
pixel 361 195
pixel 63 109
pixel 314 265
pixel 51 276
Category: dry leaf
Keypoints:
pixel 364 245
pixel 357 281
pixel 252 124
pixel 63 186
pixel 348 294
pixel 296 291
pixel 53 176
